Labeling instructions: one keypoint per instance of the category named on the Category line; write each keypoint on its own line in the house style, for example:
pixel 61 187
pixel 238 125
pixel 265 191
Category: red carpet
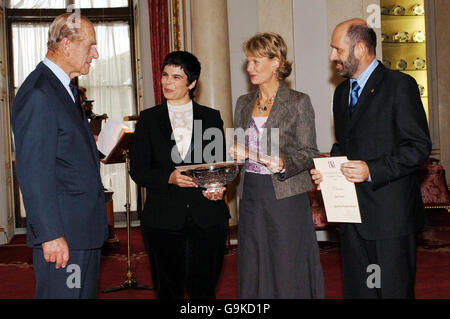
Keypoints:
pixel 433 265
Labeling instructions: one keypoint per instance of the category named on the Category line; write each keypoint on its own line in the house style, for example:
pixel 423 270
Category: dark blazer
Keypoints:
pixel 293 115
pixel 57 165
pixel 151 163
pixel 389 131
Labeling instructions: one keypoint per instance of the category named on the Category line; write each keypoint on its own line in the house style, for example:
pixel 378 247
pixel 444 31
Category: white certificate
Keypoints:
pixel 339 195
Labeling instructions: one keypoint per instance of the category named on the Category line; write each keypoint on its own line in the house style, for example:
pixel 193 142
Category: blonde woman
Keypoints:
pixel 277 247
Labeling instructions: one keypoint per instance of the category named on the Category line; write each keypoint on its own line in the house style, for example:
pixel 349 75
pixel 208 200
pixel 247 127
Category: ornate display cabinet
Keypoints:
pixel 408 45
pixel 404 41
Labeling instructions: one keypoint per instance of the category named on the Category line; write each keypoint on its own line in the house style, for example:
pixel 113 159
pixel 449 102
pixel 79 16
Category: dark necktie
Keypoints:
pixel 353 97
pixel 74 90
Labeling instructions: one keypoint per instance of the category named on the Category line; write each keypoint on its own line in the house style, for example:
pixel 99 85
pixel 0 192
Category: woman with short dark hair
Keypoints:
pixel 184 227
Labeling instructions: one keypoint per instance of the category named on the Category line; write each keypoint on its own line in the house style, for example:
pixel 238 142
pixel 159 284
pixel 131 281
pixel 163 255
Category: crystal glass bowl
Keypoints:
pixel 212 176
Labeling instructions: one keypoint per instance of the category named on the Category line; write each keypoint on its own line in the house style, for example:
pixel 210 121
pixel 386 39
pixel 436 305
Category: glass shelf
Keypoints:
pixel 403 15
pixel 399 43
pixel 410 70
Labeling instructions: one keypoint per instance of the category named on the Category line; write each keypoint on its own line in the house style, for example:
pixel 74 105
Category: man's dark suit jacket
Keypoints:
pixel 151 164
pixel 389 131
pixel 57 165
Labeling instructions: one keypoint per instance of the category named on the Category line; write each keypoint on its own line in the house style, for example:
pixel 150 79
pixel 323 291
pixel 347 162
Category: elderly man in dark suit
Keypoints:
pixel 58 166
pixel 381 126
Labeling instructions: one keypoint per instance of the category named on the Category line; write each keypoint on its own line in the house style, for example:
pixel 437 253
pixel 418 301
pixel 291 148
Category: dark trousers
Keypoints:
pixel 79 280
pixel 145 236
pixel 377 268
pixel 190 259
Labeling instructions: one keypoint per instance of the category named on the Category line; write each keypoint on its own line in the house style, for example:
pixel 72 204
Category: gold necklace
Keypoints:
pixel 262 109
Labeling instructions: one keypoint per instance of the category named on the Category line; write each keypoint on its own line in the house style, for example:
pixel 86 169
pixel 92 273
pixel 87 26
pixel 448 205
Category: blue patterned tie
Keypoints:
pixel 353 97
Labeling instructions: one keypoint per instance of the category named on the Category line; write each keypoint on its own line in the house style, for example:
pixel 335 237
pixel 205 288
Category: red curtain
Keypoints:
pixel 159 36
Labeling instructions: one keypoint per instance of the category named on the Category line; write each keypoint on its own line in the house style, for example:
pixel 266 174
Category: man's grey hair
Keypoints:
pixel 66 25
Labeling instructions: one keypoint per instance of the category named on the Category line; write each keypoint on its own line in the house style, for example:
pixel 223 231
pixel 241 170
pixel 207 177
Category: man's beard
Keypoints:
pixel 349 66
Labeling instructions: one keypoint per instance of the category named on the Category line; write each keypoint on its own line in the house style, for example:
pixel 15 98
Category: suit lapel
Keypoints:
pixel 164 121
pixel 345 100
pixel 92 142
pixel 195 148
pixel 276 115
pixel 369 91
pixel 60 90
pixel 340 106
pixel 71 109
pixel 167 132
pixel 247 110
pixel 278 106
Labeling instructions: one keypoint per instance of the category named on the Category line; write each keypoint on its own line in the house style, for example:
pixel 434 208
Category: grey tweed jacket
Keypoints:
pixel 295 142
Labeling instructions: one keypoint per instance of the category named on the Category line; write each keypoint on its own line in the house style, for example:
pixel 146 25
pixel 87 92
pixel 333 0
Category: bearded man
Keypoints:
pixel 381 126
